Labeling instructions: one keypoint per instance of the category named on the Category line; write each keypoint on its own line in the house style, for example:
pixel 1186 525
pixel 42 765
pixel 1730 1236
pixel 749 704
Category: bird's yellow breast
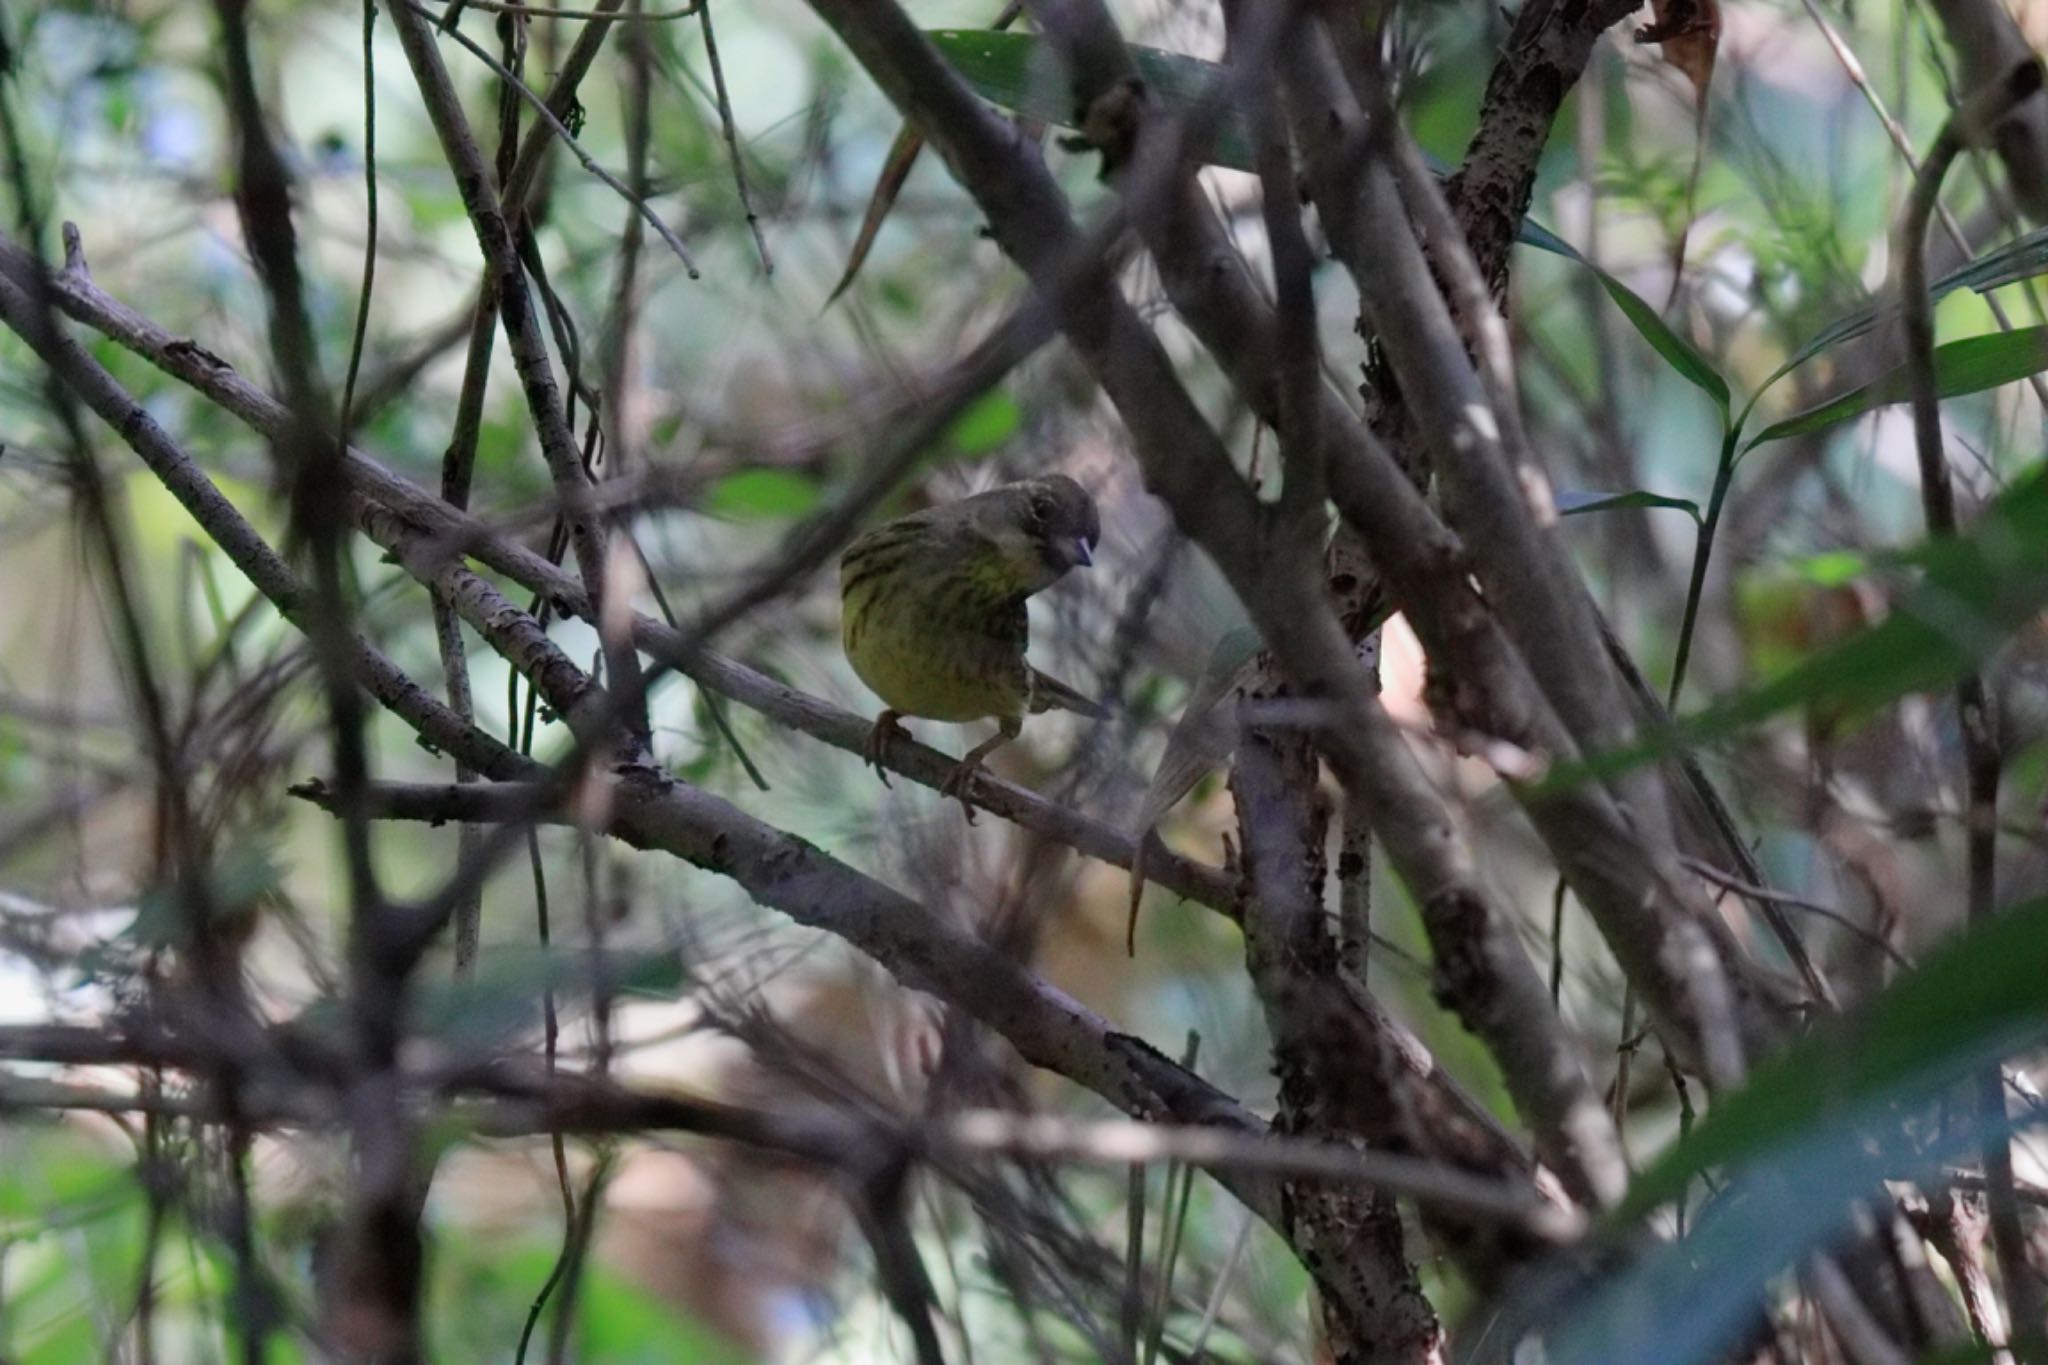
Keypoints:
pixel 923 656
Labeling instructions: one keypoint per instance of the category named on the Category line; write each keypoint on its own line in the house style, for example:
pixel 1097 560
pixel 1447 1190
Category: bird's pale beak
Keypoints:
pixel 1062 553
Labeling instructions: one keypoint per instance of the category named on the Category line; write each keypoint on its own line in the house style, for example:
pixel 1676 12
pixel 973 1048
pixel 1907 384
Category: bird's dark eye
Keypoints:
pixel 1041 509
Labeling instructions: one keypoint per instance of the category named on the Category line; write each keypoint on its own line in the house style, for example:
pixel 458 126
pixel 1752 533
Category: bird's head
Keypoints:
pixel 1040 528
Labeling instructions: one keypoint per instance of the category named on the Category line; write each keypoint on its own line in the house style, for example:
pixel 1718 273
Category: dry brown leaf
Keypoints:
pixel 1689 31
pixel 895 170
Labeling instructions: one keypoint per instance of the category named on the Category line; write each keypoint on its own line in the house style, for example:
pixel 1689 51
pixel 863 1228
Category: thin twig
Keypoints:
pixel 550 12
pixel 1853 69
pixel 588 162
pixel 1117 1143
pixel 732 137
pixel 1765 893
pixel 1982 758
pixel 514 300
pixel 362 327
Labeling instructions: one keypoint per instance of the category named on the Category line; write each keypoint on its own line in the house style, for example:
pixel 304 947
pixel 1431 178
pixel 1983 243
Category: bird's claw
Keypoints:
pixel 956 785
pixel 877 745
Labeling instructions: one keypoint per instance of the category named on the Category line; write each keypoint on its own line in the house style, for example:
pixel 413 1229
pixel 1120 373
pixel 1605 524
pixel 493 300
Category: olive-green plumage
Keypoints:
pixel 933 609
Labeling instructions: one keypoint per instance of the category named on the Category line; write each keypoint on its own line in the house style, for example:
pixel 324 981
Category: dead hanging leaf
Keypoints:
pixel 1689 31
pixel 895 170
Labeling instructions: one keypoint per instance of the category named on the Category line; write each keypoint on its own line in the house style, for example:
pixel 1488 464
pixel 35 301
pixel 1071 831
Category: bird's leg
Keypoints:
pixel 955 785
pixel 885 729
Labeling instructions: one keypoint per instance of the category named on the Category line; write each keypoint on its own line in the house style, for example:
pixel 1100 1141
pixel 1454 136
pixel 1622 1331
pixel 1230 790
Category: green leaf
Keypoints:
pixel 2017 260
pixel 1677 352
pixel 1973 593
pixel 990 421
pixel 2020 259
pixel 493 1278
pixel 1834 568
pixel 1818 1127
pixel 761 495
pixel 53 1172
pixel 1542 238
pixel 65 1338
pixel 1835 333
pixel 1573 503
pixel 1985 991
pixel 1681 355
pixel 622 1324
pixel 16 771
pixel 1970 365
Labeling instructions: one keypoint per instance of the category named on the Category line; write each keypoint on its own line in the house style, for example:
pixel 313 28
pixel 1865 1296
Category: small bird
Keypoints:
pixel 933 611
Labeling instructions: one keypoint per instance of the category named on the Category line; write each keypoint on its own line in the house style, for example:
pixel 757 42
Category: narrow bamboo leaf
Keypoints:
pixel 2020 259
pixel 1678 353
pixel 896 169
pixel 1976 992
pixel 1572 502
pixel 1840 330
pixel 1533 233
pixel 1970 365
pixel 1689 1302
pixel 1974 592
pixel 1823 415
pixel 2017 260
pixel 1817 1127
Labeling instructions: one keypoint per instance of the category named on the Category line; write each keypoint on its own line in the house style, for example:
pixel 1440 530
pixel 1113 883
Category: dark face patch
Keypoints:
pixel 1061 518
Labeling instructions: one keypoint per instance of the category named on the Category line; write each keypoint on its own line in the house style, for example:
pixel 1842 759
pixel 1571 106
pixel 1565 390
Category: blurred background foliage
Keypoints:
pixel 754 402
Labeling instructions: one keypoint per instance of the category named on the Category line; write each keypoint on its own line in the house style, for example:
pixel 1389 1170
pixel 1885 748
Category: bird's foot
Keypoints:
pixel 957 783
pixel 877 746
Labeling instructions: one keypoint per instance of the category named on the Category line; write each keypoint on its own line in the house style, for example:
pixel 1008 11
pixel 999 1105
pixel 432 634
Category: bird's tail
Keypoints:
pixel 1048 692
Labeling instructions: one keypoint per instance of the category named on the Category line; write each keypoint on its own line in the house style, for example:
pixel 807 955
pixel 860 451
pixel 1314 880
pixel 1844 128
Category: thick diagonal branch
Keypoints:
pixel 1481 966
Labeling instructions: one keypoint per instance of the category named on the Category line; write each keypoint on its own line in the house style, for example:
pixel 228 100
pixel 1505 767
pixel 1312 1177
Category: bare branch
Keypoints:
pixel 515 301
pixel 1983 757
